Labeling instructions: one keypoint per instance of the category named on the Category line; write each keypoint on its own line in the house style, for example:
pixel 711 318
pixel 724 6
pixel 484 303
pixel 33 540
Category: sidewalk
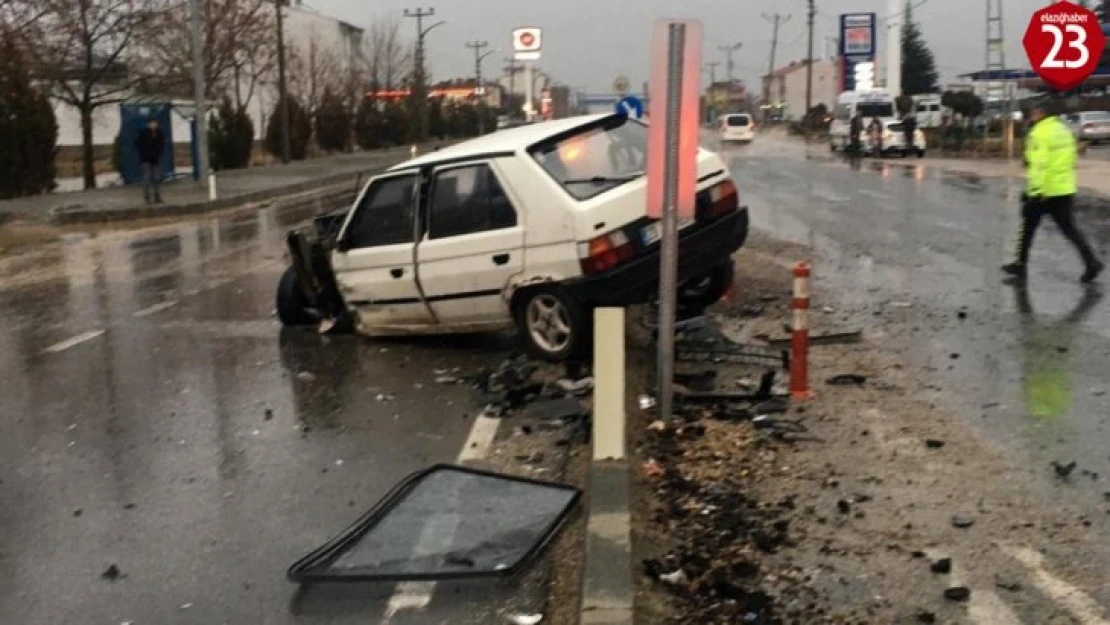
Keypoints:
pixel 183 197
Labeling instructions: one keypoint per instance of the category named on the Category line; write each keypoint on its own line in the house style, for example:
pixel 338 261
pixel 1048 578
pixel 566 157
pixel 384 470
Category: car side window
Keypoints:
pixel 384 216
pixel 466 200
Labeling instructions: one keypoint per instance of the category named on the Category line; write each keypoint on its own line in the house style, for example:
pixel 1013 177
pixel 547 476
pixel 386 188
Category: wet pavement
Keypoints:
pixel 157 419
pixel 913 252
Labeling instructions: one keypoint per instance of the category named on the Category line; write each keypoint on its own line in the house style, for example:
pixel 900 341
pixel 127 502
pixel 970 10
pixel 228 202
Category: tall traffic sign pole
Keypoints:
pixel 283 95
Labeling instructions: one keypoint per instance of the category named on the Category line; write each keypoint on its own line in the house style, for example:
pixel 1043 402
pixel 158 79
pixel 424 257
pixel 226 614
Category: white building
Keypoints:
pixel 786 87
pixel 308 34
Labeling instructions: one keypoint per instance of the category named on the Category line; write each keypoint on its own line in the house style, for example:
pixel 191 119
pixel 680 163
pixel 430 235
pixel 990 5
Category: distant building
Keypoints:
pixel 725 97
pixel 785 88
pixel 305 29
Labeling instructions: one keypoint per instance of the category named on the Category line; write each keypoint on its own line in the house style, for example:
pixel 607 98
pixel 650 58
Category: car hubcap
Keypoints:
pixel 548 323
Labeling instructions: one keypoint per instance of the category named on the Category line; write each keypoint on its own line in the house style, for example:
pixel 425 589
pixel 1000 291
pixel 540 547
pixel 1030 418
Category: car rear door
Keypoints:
pixel 472 244
pixel 374 257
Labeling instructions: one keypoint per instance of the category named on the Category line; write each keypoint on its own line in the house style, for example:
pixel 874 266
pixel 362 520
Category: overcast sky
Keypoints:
pixel 589 42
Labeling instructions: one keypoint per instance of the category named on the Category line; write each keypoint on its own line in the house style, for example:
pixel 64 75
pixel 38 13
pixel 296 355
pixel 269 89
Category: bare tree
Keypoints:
pixel 314 69
pixel 387 55
pixel 83 48
pixel 240 44
pixel 17 17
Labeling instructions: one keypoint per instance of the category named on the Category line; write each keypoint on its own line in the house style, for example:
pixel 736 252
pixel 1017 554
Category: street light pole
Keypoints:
pixel 283 99
pixel 419 95
pixel 809 57
pixel 199 89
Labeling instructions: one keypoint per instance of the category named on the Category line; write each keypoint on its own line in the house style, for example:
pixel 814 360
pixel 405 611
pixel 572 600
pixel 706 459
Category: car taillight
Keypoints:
pixel 605 252
pixel 723 198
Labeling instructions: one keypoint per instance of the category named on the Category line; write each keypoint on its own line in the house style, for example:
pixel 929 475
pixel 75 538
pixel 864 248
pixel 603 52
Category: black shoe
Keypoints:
pixel 1092 272
pixel 1014 270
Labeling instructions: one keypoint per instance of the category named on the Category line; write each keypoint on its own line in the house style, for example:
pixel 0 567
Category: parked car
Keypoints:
pixel 737 127
pixel 533 226
pixel 1090 126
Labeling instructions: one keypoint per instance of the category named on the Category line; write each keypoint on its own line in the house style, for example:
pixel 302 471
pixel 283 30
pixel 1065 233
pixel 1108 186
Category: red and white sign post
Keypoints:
pixel 1064 42
pixel 672 169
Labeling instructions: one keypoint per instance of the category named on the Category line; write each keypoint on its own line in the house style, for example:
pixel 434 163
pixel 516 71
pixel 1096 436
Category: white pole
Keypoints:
pixel 609 364
pixel 895 11
pixel 528 86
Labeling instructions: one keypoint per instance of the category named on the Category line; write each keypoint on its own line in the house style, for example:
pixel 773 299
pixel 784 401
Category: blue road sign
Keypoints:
pixel 631 106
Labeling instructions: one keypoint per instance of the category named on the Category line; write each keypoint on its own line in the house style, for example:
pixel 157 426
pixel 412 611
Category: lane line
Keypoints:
pixel 71 342
pixel 417 595
pixel 150 310
pixel 1080 604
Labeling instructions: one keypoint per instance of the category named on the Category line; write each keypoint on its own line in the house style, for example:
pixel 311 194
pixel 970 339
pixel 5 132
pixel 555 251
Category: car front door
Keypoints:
pixel 373 261
pixel 473 243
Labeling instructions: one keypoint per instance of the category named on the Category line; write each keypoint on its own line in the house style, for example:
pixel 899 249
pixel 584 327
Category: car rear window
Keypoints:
pixel 894 127
pixel 738 120
pixel 875 109
pixel 597 158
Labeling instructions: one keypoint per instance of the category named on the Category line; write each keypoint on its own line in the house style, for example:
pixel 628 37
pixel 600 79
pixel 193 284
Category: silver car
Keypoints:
pixel 1090 126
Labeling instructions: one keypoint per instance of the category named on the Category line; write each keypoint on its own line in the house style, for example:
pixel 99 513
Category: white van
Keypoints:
pixel 737 127
pixel 533 226
pixel 928 110
pixel 870 104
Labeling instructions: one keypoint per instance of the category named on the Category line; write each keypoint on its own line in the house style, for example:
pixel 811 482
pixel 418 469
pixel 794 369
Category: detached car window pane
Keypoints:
pixel 597 159
pixel 466 200
pixel 384 217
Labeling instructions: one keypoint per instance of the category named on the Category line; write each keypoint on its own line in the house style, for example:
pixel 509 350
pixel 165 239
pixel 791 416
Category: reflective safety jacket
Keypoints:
pixel 1050 156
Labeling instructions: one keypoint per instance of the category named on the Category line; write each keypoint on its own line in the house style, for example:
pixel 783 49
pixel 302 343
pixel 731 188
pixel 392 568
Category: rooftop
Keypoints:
pixel 509 140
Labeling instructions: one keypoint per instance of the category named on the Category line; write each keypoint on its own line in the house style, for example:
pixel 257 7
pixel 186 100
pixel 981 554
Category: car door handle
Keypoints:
pixel 500 259
pixel 397 272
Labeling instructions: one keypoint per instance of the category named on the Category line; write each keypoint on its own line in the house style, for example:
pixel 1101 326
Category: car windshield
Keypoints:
pixel 597 159
pixel 738 120
pixel 876 109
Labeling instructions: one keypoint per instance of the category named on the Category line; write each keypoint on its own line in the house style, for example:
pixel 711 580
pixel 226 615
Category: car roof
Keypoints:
pixel 501 141
pixel 736 115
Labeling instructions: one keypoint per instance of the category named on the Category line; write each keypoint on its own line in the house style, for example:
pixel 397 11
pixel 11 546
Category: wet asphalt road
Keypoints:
pixel 911 244
pixel 156 417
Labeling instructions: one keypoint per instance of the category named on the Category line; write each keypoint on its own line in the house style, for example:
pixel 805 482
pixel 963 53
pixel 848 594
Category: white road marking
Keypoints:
pixel 77 340
pixel 150 310
pixel 1085 609
pixel 417 595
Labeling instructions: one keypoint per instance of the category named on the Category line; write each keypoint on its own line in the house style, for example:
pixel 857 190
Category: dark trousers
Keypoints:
pixel 152 181
pixel 1060 210
pixel 908 136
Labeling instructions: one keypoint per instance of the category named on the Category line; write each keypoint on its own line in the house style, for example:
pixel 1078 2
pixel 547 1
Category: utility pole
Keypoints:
pixel 199 89
pixel 512 86
pixel 728 50
pixel 283 99
pixel 419 94
pixel 896 16
pixel 776 20
pixel 712 67
pixel 479 91
pixel 809 57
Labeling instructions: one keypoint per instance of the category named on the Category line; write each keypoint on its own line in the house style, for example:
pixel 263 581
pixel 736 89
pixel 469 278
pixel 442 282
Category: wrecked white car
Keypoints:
pixel 533 226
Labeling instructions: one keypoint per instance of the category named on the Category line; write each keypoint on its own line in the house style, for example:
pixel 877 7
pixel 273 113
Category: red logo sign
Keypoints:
pixel 528 40
pixel 1064 43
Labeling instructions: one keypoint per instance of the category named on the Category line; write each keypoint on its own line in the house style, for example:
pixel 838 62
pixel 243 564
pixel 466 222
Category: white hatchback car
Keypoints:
pixel 535 225
pixel 737 127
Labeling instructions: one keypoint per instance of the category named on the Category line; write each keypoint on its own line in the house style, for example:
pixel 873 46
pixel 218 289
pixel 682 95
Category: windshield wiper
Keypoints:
pixel 603 179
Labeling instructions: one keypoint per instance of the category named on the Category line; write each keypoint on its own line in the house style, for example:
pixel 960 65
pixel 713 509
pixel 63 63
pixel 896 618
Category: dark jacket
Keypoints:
pixel 150 144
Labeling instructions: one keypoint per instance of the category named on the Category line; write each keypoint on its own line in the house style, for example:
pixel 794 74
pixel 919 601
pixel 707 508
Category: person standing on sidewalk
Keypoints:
pixel 150 143
pixel 1050 187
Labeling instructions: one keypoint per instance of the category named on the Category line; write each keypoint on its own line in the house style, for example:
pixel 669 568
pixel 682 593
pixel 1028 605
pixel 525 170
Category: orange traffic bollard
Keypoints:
pixel 799 346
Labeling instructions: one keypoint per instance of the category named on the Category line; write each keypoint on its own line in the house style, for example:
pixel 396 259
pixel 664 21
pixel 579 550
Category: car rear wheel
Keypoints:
pixel 291 302
pixel 552 325
pixel 701 293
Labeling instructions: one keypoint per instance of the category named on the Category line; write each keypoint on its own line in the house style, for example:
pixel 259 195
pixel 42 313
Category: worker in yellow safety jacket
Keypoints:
pixel 1050 158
